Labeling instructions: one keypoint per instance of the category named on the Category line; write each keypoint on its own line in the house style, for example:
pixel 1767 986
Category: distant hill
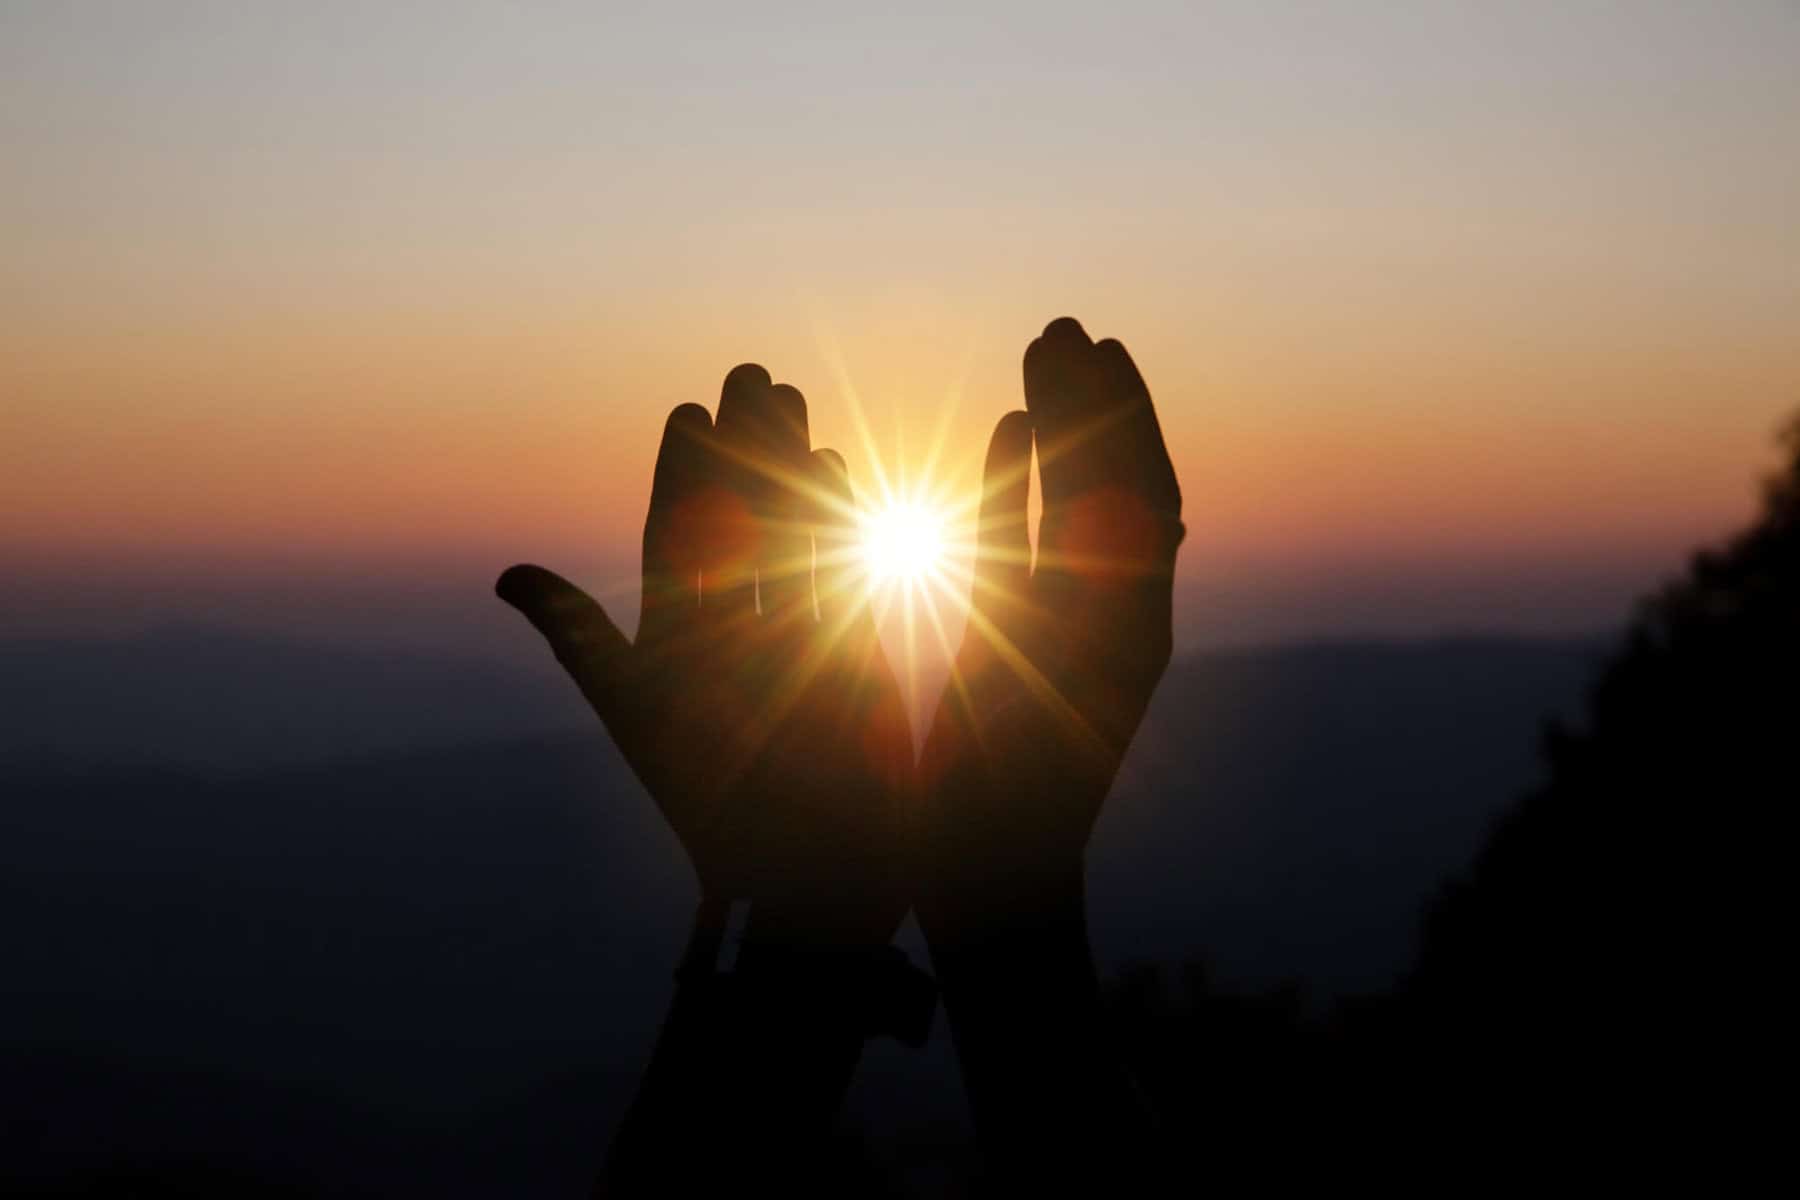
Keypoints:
pixel 403 944
pixel 221 699
pixel 1286 810
pixel 456 940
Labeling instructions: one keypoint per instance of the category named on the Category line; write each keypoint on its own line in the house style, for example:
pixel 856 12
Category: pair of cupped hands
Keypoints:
pixel 758 709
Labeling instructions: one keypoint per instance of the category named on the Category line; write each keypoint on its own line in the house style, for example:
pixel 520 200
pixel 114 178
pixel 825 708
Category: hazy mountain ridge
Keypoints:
pixel 1307 798
pixel 441 933
pixel 230 700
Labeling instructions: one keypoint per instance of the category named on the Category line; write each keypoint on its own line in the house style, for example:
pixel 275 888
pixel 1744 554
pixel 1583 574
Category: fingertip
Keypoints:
pixel 835 499
pixel 688 418
pixel 1112 352
pixel 740 396
pixel 1012 436
pixel 1050 363
pixel 516 583
pixel 580 634
pixel 1116 364
pixel 832 459
pixel 530 588
pixel 790 413
pixel 743 377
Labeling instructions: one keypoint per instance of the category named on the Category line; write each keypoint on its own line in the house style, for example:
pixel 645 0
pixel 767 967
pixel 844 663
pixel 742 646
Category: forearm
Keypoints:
pixel 1050 1099
pixel 745 1083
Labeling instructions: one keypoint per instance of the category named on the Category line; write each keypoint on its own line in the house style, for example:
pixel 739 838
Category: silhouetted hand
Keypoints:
pixel 1052 678
pixel 772 736
pixel 1058 663
pixel 757 708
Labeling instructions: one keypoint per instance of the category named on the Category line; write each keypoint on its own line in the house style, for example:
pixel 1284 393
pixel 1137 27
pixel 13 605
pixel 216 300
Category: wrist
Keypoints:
pixel 1042 905
pixel 787 927
pixel 1022 997
pixel 840 988
pixel 1035 936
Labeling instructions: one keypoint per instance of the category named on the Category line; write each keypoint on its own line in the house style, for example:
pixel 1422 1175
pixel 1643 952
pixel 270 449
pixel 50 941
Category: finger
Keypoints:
pixel 1002 533
pixel 1126 529
pixel 728 584
pixel 837 577
pixel 1110 497
pixel 1062 394
pixel 581 635
pixel 675 537
pixel 784 566
pixel 1138 454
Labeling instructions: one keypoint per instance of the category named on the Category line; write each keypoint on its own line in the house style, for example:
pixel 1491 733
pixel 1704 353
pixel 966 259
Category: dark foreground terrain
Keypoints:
pixel 280 918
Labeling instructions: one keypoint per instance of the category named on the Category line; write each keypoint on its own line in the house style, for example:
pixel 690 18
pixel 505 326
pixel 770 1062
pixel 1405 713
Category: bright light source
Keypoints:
pixel 902 543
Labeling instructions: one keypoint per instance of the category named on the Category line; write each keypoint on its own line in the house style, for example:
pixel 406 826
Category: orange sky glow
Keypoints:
pixel 271 308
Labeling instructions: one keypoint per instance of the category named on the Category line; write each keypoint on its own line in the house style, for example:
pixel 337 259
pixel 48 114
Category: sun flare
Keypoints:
pixel 910 557
pixel 902 543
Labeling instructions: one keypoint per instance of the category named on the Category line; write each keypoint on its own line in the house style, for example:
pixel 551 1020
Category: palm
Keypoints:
pixel 1059 662
pixel 779 755
pixel 769 731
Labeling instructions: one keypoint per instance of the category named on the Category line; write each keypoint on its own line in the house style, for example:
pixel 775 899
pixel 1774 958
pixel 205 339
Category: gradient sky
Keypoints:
pixel 1458 316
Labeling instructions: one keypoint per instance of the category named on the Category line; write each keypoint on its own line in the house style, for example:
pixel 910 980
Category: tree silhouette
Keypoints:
pixel 1599 989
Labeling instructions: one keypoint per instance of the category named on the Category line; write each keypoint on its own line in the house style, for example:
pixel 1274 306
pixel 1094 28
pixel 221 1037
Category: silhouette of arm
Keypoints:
pixel 744 1085
pixel 1053 676
pixel 771 734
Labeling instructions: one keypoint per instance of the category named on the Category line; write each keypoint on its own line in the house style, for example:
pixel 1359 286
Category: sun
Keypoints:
pixel 902 543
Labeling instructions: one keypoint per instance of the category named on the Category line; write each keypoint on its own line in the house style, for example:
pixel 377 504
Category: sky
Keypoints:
pixel 1459 317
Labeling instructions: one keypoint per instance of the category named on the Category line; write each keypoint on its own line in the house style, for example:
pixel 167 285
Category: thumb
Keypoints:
pixel 581 635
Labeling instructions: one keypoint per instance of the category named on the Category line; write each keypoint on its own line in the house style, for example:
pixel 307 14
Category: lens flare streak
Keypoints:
pixel 902 543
